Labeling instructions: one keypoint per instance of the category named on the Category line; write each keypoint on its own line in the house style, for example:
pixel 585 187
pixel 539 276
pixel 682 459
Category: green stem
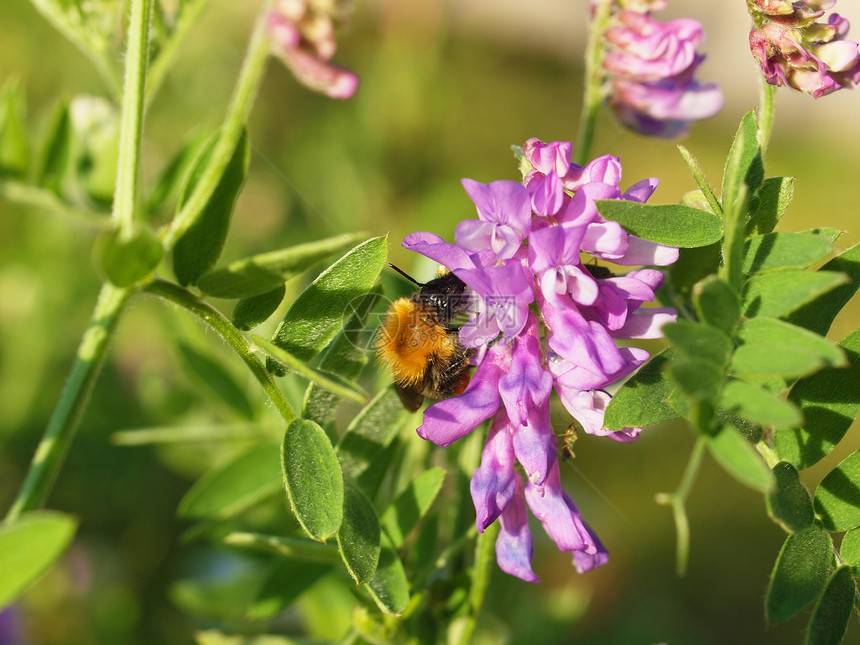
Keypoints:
pixel 237 115
pixel 485 550
pixel 766 114
pixel 160 66
pixel 220 325
pixel 74 396
pixel 677 501
pixel 593 93
pixel 76 33
pixel 127 190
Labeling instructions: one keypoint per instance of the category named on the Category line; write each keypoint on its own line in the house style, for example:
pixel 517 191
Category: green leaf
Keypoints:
pixel 673 224
pixel 758 405
pixel 849 550
pixel 640 401
pixel 346 355
pixel 321 309
pixel 692 266
pixel 125 260
pixel 359 536
pixel 313 479
pixel 789 505
pixel 778 294
pixel 199 248
pixel 769 204
pixel 800 573
pixel 55 151
pixel 706 191
pixel 829 402
pixel 260 274
pixel 743 163
pixel 212 376
pixel 697 378
pixel 372 477
pixel 14 145
pixel 833 610
pixel 699 342
pixel 737 456
pixel 389 586
pixel 253 311
pixel 29 546
pixel 771 347
pixel 287 580
pixel 411 505
pixel 837 498
pixel 819 314
pixel 370 431
pixel 776 251
pixel 229 488
pixel 717 304
pixel 169 181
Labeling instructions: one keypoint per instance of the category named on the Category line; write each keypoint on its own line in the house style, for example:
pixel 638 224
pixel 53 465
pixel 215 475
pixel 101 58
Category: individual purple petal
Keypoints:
pixel 548 158
pixel 625 435
pixel 589 558
pixel 575 378
pixel 494 483
pixel 646 323
pixel 641 190
pixel 527 384
pixel 506 292
pixel 434 247
pixel 602 170
pixel 606 240
pixel 535 445
pixel 563 525
pixel 547 193
pixel 502 202
pixel 587 407
pixel 451 419
pixel 582 342
pixel 515 545
pixel 641 251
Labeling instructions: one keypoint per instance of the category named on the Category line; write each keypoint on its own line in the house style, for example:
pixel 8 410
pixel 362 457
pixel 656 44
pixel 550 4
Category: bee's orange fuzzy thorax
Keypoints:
pixel 409 339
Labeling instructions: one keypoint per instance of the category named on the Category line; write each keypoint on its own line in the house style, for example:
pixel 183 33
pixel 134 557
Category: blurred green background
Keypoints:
pixel 446 90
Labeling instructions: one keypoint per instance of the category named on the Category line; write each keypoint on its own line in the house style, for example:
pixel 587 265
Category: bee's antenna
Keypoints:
pixel 405 275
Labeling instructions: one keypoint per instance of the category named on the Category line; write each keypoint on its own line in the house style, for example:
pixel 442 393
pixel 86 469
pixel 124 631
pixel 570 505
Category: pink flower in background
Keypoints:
pixel 795 49
pixel 651 67
pixel 543 320
pixel 302 36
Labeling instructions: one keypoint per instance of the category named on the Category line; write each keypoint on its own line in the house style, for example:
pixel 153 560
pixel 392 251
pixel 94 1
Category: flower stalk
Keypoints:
pixel 127 190
pixel 677 501
pixel 593 87
pixel 238 111
pixel 225 329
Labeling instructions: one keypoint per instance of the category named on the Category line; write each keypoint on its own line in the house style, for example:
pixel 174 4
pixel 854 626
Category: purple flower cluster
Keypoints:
pixel 794 48
pixel 651 66
pixel 543 322
pixel 302 36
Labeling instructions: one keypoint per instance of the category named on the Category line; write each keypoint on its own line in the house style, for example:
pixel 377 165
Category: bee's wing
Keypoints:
pixel 411 398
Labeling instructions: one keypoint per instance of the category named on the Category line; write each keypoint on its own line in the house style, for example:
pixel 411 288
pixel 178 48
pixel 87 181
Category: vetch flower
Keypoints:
pixel 543 319
pixel 794 48
pixel 302 36
pixel 651 67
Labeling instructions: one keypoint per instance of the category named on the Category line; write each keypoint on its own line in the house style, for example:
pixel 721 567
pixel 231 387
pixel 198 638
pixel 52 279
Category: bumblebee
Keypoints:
pixel 420 345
